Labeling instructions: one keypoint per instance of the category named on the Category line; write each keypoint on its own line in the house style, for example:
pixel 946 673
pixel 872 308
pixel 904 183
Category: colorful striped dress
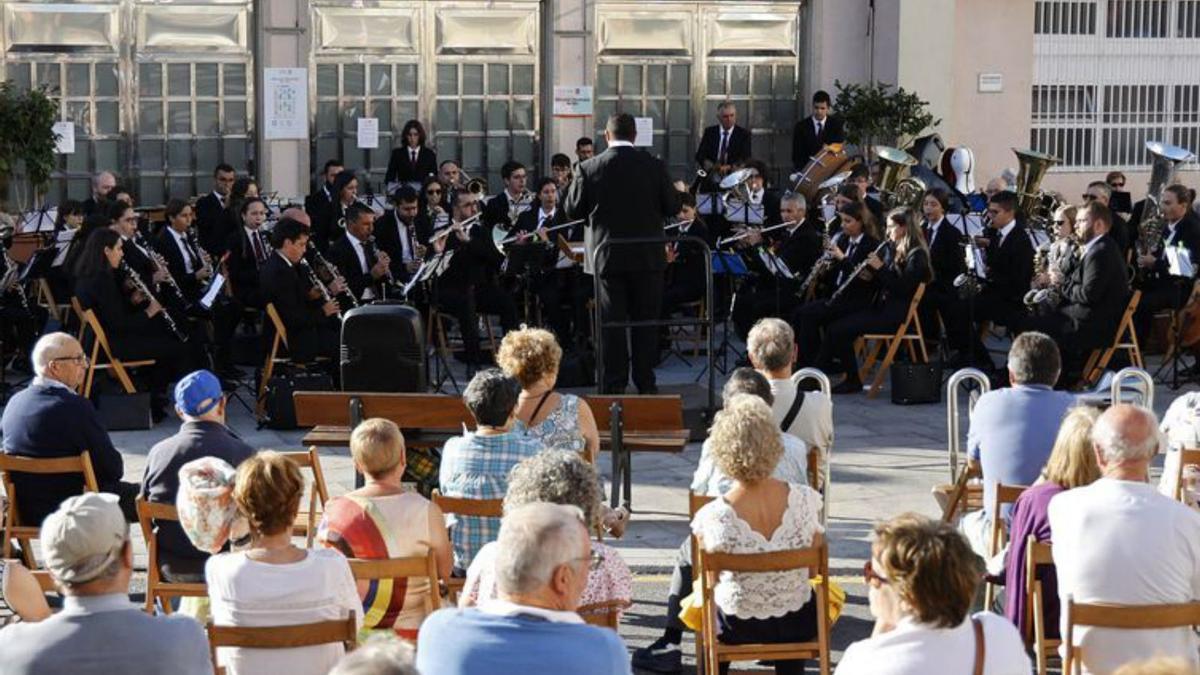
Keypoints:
pixel 393 526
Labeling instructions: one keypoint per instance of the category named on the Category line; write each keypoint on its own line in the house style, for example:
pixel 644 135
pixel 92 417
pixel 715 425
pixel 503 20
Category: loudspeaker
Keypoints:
pixel 383 349
pixel 916 383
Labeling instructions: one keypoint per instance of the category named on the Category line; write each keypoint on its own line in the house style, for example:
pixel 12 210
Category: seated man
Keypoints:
pixel 476 464
pixel 364 266
pixel 1012 430
pixel 88 553
pixel 201 405
pixel 310 320
pixel 1119 541
pixel 542 563
pixel 47 420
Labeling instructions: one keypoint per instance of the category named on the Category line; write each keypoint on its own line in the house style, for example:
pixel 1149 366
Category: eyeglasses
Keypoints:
pixel 869 575
pixel 595 559
pixel 433 192
pixel 1117 186
pixel 81 358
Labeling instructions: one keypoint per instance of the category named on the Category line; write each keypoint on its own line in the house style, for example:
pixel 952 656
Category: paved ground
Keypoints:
pixel 885 459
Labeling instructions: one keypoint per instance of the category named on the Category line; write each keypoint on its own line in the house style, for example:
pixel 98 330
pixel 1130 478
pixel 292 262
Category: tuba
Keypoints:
pixel 896 190
pixel 1034 205
pixel 1164 159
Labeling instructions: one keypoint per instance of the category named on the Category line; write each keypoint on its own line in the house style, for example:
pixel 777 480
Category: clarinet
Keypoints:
pixel 12 280
pixel 332 271
pixel 857 271
pixel 141 288
pixel 161 263
pixel 316 281
pixel 819 268
pixel 206 262
pixel 372 252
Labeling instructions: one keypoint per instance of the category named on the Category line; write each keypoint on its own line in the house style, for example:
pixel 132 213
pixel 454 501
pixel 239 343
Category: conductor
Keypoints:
pixel 625 193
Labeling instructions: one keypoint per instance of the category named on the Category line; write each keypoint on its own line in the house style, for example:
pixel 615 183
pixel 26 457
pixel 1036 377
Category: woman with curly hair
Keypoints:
pixel 559 478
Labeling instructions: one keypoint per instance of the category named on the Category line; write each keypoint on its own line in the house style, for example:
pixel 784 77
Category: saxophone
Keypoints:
pixel 1049 257
pixel 819 268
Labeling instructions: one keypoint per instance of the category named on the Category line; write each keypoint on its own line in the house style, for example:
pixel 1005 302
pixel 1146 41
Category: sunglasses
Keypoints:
pixel 869 575
pixel 433 192
pixel 1116 186
pixel 1088 198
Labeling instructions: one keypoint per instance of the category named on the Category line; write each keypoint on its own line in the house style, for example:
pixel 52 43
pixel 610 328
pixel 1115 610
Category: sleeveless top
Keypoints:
pixel 560 429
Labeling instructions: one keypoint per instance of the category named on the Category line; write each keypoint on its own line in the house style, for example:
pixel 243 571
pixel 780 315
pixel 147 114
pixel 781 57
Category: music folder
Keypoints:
pixel 775 265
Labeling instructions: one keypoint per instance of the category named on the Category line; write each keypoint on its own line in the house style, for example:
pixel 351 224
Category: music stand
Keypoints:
pixel 523 259
pixel 1181 270
pixel 433 268
pixel 730 266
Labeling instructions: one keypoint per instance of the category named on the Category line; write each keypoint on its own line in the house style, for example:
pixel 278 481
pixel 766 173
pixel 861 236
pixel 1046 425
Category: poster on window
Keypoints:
pixel 64 137
pixel 285 103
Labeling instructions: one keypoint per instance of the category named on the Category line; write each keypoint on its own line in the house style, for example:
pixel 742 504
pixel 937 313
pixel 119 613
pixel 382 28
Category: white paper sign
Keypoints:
pixel 645 131
pixel 285 103
pixel 65 144
pixel 572 101
pixel 368 133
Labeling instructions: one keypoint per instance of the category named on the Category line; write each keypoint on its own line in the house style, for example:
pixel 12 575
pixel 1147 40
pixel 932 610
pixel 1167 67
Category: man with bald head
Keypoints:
pixel 102 185
pixel 1119 541
pixel 48 419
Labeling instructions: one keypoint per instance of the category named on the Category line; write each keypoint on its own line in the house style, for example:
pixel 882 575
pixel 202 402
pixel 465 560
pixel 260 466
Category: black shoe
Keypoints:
pixel 659 657
pixel 849 386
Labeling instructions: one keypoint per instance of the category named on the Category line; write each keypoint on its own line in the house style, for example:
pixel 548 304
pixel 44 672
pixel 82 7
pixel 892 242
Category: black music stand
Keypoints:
pixel 730 266
pixel 431 270
pixel 1182 290
pixel 524 260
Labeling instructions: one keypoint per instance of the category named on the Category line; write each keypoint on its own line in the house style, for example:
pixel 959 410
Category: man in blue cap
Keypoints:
pixel 200 403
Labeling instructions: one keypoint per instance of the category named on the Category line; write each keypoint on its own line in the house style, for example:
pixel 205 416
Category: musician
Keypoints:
pixel 897 277
pixel 21 320
pixel 210 209
pixel 848 251
pixel 504 208
pixel 860 177
pixel 248 249
pixel 560 170
pixel 685 281
pixel 311 321
pixel 243 188
pixel 849 193
pixel 1100 192
pixel 944 241
pixel 724 145
pixel 1094 293
pixel 550 287
pixel 760 195
pixel 798 246
pixel 402 235
pixel 364 267
pixel 814 132
pixel 469 285
pixel 585 149
pixel 124 222
pixel 184 260
pixel 413 162
pixel 1161 290
pixel 321 199
pixel 625 193
pixel 133 323
pixel 102 184
pixel 434 198
pixel 450 176
pixel 330 225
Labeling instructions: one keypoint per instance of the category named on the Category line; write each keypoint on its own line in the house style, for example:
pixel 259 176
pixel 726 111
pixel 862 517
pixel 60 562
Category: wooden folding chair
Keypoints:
pixel 695 335
pixel 14 528
pixel 156 588
pixel 1038 554
pixel 117 367
pixel 1187 457
pixel 385 570
pixel 602 614
pixel 908 333
pixel 458 506
pixel 1005 495
pixel 1125 339
pixel 436 333
pixel 44 297
pixel 344 631
pixel 273 357
pixel 306 521
pixel 1124 617
pixel 695 503
pixel 966 495
pixel 814 558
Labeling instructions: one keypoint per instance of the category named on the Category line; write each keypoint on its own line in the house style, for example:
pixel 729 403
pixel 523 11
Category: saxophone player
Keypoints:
pixel 1054 261
pixel 1160 290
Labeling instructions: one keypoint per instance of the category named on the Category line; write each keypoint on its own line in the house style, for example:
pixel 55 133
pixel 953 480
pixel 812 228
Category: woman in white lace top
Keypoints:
pixel 758 514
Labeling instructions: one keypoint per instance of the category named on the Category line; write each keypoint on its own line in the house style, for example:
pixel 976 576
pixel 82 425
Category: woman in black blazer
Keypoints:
pixel 401 167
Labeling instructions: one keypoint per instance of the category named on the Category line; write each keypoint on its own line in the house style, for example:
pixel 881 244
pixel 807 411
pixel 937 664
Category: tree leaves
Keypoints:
pixel 27 137
pixel 875 114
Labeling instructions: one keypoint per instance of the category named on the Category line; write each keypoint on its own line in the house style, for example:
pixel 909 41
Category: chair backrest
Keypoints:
pixel 285 637
pixel 1187 457
pixel 1126 617
pixel 813 558
pixel 602 614
pixel 10 464
pixel 696 502
pixel 1037 554
pixel 639 413
pixel 311 459
pixel 277 323
pixel 1004 495
pixel 417 566
pixel 484 508
pixel 916 301
pixel 89 320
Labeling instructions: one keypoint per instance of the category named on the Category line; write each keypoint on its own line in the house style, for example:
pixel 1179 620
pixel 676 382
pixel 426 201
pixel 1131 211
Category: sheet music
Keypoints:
pixel 63 244
pixel 775 264
pixel 1179 262
pixel 210 294
pixel 974 224
pixel 749 214
pixel 709 203
pixel 38 221
pixel 413 281
pixel 828 211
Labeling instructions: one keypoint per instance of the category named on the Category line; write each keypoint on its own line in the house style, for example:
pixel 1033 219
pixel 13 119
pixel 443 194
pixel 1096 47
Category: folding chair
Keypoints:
pixel 386 570
pixel 1124 617
pixel 908 332
pixel 10 464
pixel 280 340
pixel 602 614
pixel 87 319
pixel 1005 495
pixel 483 508
pixel 815 558
pixel 1038 554
pixel 306 521
pixel 344 631
pixel 44 297
pixel 695 503
pixel 1125 339
pixel 1187 457
pixel 156 588
pixel 965 496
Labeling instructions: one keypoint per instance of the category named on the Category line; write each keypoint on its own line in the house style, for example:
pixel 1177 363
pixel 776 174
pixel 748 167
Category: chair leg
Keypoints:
pixel 887 362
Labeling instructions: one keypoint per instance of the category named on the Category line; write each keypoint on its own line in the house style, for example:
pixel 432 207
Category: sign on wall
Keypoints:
pixel 572 101
pixel 285 103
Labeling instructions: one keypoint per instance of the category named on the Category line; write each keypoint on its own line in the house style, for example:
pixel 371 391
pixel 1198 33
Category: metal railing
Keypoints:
pixel 953 428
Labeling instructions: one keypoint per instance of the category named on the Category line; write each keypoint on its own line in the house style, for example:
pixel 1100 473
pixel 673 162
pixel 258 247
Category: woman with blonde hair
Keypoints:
pixel 1072 464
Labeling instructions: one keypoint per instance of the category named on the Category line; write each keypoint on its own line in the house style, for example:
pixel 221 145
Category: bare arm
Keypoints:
pixel 23 593
pixel 439 541
pixel 591 434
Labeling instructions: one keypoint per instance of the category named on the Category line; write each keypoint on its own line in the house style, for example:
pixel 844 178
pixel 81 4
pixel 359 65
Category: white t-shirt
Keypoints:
pixel 245 592
pixel 916 649
pixel 813 424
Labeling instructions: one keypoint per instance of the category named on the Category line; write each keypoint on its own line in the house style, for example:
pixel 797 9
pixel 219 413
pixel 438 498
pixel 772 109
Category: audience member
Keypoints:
pixel 86 548
pixel 476 464
pixel 381 655
pixel 1119 541
pixel 200 403
pixel 1181 427
pixel 1072 464
pixel 48 419
pixel 758 514
pixel 921 580
pixel 273 582
pixel 771 346
pixel 382 520
pixel 557 477
pixel 542 561
pixel 21 593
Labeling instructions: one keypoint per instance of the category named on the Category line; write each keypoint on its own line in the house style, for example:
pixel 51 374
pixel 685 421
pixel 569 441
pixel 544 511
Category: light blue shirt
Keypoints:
pixel 1012 433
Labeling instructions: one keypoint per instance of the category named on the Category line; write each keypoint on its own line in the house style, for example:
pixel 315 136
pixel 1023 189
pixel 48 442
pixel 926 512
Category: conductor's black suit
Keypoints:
pixel 625 193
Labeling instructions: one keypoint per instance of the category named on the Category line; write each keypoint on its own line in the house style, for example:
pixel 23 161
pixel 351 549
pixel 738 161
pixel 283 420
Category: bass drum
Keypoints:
pixel 832 160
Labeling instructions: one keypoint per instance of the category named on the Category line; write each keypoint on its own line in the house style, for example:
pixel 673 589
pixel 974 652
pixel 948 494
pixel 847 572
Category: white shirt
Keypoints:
pixel 813 424
pixel 1005 230
pixel 406 252
pixel 617 143
pixel 184 249
pixel 42 381
pixel 285 258
pixel 1121 542
pixel 819 125
pixel 220 197
pixel 500 607
pixel 543 217
pixel 253 236
pixel 1172 228
pixel 933 231
pixel 916 649
pixel 357 246
pixel 792 468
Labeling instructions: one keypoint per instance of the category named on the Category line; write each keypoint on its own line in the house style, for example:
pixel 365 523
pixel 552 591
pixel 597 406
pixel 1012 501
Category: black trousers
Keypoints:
pixel 466 303
pixel 1002 311
pixel 173 358
pixel 837 350
pixel 943 301
pixel 797 626
pixel 759 301
pixel 1155 298
pixel 808 322
pixel 630 296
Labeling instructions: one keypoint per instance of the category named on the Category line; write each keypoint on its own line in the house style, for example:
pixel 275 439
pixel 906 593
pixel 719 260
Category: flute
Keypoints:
pixel 746 233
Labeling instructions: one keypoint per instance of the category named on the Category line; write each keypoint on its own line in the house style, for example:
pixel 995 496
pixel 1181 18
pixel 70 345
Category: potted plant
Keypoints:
pixel 876 113
pixel 27 143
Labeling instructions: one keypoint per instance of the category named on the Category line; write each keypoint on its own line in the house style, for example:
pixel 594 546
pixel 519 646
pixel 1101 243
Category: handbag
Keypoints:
pixel 691 608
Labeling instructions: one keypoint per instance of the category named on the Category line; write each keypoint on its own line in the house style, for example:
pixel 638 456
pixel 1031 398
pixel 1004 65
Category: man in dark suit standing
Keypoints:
pixel 723 146
pixel 210 210
pixel 625 193
pixel 814 132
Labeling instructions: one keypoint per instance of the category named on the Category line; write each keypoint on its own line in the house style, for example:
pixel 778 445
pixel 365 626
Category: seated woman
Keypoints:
pixel 273 582
pixel 758 514
pixel 382 520
pixel 921 579
pixel 897 281
pixel 1072 464
pixel 558 478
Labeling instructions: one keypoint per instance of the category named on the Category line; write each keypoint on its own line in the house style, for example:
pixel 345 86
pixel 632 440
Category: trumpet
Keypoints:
pixel 883 249
pixel 475 186
pixel 140 287
pixel 746 233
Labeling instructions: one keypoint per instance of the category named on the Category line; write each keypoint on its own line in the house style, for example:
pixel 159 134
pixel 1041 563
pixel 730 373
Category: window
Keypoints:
pixel 660 91
pixel 1187 19
pixel 766 98
pixel 1064 18
pixel 1137 18
pixel 1063 117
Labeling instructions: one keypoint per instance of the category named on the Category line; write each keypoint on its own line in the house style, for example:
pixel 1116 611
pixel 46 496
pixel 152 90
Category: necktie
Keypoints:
pixel 929 234
pixel 195 257
pixel 820 128
pixel 257 245
pixel 724 143
pixel 413 154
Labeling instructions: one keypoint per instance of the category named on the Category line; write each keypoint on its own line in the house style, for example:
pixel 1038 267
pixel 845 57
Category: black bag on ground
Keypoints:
pixel 280 408
pixel 124 412
pixel 916 383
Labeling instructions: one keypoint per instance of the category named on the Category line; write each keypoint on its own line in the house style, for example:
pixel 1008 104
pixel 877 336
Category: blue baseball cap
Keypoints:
pixel 197 393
